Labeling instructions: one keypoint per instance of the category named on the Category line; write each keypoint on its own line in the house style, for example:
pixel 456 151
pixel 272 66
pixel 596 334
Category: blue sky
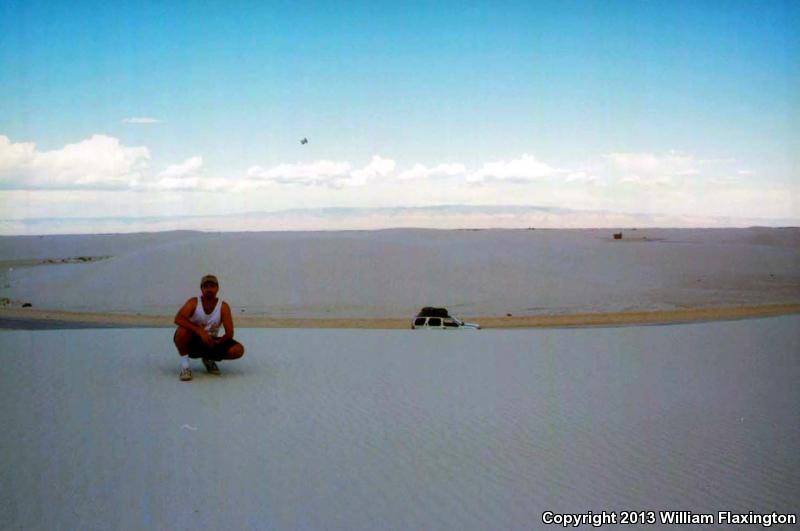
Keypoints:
pixel 597 105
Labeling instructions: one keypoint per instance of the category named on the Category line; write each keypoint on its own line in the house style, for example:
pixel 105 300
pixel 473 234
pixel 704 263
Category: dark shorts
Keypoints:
pixel 198 349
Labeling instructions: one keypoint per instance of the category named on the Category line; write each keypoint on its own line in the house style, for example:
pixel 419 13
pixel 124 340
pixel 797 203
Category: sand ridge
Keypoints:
pixel 501 278
pixel 18 317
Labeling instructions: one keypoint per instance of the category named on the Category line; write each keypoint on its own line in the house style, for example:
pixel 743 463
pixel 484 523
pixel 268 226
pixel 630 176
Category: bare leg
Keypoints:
pixel 235 352
pixel 182 339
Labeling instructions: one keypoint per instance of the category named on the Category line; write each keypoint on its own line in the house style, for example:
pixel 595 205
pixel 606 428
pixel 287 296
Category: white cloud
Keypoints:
pixel 525 168
pixel 420 171
pixel 187 169
pixel 649 181
pixel 377 167
pixel 141 120
pixel 333 174
pixel 651 168
pixel 99 162
pixel 185 176
pixel 320 172
pixel 620 181
pixel 190 184
pixel 581 177
pixel 14 157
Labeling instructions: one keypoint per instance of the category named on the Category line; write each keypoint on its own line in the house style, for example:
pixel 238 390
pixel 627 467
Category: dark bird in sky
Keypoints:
pixel 304 141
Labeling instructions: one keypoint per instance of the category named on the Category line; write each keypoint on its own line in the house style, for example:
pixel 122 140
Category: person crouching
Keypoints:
pixel 197 335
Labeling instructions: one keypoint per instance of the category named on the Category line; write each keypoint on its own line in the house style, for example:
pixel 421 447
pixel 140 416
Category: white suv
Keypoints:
pixel 438 319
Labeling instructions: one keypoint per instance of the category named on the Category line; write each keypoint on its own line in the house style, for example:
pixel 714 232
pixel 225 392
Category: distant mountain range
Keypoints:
pixel 339 218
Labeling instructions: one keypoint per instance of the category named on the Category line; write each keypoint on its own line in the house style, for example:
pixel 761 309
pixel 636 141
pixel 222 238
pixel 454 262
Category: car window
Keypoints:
pixel 419 321
pixel 434 321
pixel 450 323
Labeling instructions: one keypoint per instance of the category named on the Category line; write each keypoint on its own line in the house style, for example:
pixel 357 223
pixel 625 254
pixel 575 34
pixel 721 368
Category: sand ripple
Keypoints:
pixel 343 429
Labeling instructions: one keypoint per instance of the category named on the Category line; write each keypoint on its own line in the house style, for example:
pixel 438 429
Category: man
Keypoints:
pixel 198 326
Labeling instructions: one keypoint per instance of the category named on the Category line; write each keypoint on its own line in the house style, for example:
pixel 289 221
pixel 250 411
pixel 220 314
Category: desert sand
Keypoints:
pixel 395 429
pixel 319 427
pixel 507 278
pixel 32 319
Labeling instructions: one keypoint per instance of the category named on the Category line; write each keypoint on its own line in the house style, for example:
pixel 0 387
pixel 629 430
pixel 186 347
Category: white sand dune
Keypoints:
pixel 343 429
pixel 393 273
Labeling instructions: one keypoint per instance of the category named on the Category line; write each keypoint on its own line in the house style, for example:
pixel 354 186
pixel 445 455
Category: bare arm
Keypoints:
pixel 227 322
pixel 182 319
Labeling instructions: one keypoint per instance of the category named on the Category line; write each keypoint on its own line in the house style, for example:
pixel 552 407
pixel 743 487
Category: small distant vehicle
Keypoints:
pixel 430 318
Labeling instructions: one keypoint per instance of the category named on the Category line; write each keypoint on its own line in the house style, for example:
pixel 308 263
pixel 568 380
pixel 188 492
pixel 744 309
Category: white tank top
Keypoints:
pixel 209 321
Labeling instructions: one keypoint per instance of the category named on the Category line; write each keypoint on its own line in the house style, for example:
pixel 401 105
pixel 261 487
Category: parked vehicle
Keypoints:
pixel 430 318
